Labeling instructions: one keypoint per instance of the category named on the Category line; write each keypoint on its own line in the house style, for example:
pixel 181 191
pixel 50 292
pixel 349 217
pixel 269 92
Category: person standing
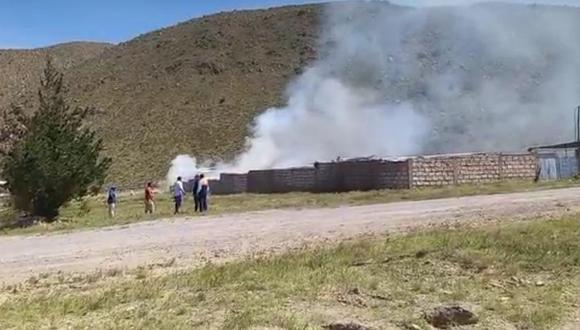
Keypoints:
pixel 149 198
pixel 195 190
pixel 178 193
pixel 203 192
pixel 112 201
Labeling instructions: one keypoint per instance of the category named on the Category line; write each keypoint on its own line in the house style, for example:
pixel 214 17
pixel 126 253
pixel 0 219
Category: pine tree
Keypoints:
pixel 57 158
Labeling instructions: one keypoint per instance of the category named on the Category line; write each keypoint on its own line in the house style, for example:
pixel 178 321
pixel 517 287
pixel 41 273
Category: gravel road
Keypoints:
pixel 191 241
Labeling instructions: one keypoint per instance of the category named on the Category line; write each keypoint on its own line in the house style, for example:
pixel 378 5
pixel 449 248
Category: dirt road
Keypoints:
pixel 190 241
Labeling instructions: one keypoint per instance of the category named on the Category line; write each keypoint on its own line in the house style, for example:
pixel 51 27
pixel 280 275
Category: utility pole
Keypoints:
pixel 577 150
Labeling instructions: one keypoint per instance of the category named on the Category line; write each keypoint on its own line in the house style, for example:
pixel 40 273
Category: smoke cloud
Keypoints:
pixel 395 81
pixel 433 3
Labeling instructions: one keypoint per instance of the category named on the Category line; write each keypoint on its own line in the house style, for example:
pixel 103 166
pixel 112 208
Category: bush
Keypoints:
pixel 58 158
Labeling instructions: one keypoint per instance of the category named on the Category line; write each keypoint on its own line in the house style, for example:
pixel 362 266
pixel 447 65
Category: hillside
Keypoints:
pixel 20 69
pixel 195 88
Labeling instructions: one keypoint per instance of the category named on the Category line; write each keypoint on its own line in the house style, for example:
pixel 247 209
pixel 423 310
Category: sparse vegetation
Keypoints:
pixel 516 276
pixel 92 212
pixel 206 78
pixel 209 77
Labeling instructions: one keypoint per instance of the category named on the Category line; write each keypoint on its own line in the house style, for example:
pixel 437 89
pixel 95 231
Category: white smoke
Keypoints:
pixel 434 3
pixel 326 118
pixel 184 166
pixel 395 81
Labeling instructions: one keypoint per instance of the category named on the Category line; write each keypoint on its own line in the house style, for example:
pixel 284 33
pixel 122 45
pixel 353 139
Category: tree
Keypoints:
pixel 12 128
pixel 56 158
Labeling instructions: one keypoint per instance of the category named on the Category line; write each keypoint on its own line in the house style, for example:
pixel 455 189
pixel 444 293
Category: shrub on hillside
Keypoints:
pixel 57 158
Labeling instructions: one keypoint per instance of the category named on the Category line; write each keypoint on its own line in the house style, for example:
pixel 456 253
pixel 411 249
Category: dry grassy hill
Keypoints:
pixel 195 87
pixel 20 69
pixel 192 88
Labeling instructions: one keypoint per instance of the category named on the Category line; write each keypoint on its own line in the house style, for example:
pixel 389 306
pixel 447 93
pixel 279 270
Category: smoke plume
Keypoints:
pixel 393 81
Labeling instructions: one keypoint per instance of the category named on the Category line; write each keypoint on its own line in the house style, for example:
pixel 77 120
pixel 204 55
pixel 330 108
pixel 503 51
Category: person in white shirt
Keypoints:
pixel 178 194
pixel 203 193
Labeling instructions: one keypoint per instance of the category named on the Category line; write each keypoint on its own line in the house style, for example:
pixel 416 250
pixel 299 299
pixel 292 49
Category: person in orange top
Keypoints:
pixel 149 198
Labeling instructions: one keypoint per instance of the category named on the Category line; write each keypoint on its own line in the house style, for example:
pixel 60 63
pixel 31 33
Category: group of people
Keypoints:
pixel 149 199
pixel 200 190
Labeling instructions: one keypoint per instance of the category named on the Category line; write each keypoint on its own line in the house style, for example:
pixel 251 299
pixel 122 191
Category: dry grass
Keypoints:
pixel 196 87
pixel 92 212
pixel 206 79
pixel 517 276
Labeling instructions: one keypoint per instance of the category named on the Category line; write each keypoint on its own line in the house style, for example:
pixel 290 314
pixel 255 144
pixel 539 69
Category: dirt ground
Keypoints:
pixel 187 242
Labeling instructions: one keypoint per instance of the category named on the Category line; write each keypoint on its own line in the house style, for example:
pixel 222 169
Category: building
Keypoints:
pixel 558 161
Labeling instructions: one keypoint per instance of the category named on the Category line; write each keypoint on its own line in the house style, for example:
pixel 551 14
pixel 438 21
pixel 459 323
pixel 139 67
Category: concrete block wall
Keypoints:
pixel 229 184
pixel 439 170
pixel 375 174
pixel 396 175
pixel 519 166
pixel 480 168
pixel 281 181
pixel 332 177
pixel 432 171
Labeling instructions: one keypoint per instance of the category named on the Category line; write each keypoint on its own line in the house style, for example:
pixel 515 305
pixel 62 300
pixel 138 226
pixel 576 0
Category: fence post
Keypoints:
pixel 410 172
pixel 500 167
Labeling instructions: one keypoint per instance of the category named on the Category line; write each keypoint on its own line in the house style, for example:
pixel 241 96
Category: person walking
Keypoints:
pixel 203 193
pixel 178 193
pixel 112 201
pixel 149 198
pixel 195 190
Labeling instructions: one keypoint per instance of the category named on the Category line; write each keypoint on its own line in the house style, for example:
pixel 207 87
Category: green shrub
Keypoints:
pixel 58 158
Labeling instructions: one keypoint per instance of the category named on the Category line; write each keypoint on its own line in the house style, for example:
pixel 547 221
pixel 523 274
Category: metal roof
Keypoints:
pixel 569 145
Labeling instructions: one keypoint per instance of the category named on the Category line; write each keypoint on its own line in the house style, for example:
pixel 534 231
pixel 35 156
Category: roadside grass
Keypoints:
pixel 513 276
pixel 92 211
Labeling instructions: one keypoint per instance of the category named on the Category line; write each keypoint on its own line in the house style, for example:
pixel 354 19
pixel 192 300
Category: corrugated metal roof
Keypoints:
pixel 568 145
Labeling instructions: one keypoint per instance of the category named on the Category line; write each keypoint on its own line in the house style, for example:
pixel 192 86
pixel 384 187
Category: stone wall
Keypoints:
pixel 480 168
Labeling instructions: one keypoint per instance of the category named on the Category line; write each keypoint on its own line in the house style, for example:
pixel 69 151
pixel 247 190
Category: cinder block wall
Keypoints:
pixel 372 175
pixel 363 175
pixel 229 184
pixel 332 177
pixel 281 181
pixel 522 166
pixel 471 169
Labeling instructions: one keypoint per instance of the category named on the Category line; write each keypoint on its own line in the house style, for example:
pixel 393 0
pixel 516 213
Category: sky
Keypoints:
pixel 39 23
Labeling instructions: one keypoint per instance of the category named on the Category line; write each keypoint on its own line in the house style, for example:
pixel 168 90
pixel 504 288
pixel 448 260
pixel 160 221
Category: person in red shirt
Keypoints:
pixel 149 198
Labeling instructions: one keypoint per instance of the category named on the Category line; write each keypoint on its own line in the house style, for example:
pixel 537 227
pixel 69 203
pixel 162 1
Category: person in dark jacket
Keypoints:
pixel 195 190
pixel 112 201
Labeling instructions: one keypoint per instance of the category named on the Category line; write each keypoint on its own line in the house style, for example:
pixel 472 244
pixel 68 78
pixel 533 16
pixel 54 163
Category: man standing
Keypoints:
pixel 195 190
pixel 203 192
pixel 149 199
pixel 178 193
pixel 112 201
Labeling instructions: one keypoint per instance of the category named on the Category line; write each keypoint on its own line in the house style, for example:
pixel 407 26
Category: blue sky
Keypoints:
pixel 37 23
